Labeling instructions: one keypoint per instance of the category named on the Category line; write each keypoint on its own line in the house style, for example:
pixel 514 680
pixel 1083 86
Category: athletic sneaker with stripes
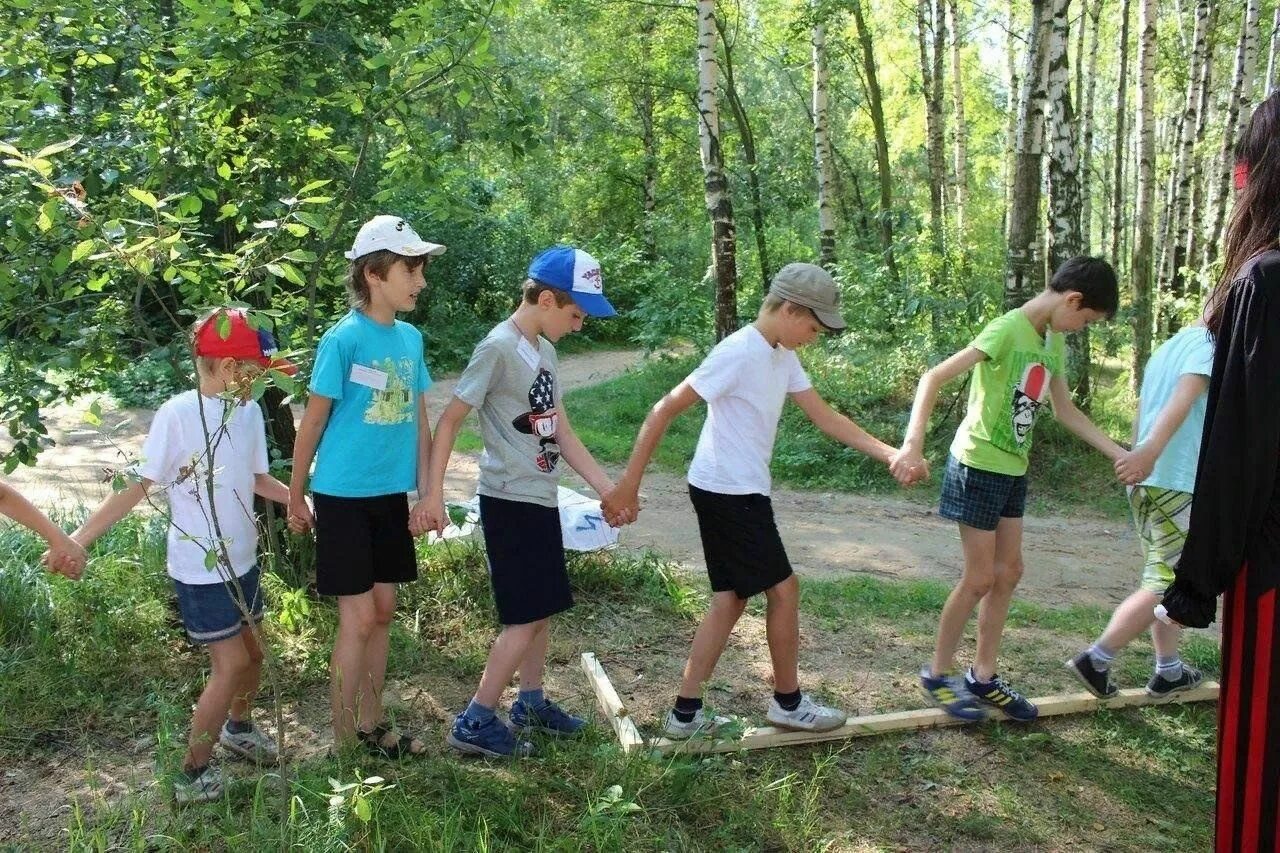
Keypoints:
pixel 1000 696
pixel 948 692
pixel 808 716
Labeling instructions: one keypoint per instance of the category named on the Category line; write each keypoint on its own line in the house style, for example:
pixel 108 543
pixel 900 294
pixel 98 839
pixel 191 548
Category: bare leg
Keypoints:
pixel 994 609
pixel 979 576
pixel 782 627
pixel 709 641
pixel 229 660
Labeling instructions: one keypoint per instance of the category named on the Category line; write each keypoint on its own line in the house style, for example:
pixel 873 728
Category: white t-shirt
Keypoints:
pixel 745 382
pixel 174 457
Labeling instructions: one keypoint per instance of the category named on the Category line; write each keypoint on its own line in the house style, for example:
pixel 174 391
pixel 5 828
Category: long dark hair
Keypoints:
pixel 1255 221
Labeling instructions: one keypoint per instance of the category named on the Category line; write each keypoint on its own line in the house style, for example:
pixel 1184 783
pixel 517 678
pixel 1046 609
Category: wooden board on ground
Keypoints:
pixel 610 705
pixel 926 718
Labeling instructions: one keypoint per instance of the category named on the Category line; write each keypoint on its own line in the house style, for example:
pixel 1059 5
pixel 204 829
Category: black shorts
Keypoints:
pixel 526 560
pixel 979 498
pixel 362 541
pixel 740 542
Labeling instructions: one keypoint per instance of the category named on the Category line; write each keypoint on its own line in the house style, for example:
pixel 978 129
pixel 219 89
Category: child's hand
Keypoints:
pixel 423 517
pixel 620 505
pixel 301 518
pixel 1135 466
pixel 908 466
pixel 65 557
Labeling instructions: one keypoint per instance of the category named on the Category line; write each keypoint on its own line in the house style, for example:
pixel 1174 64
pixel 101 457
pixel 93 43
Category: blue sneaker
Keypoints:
pixel 1000 696
pixel 490 738
pixel 947 691
pixel 548 718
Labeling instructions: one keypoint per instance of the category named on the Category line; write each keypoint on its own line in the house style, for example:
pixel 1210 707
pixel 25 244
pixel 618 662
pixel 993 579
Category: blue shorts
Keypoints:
pixel 981 498
pixel 209 610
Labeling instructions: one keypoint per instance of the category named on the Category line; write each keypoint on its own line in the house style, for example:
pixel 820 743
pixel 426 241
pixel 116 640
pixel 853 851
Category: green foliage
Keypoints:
pixel 147 381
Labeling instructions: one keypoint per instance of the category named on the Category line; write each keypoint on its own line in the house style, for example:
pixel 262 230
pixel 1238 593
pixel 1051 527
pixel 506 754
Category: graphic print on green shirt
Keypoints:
pixel 1010 388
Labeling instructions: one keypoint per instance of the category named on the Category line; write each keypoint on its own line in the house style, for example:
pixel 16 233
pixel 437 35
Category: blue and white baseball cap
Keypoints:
pixel 567 268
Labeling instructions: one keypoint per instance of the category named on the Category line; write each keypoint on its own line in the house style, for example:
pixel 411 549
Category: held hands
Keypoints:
pixel 428 514
pixel 1134 466
pixel 65 557
pixel 908 467
pixel 621 504
pixel 301 518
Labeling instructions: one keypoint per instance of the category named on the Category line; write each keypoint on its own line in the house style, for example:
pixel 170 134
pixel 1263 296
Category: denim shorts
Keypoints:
pixel 209 610
pixel 980 498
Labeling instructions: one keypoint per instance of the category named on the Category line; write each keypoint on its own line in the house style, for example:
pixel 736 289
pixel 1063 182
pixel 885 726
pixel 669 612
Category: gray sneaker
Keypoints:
pixel 700 725
pixel 252 745
pixel 204 788
pixel 808 716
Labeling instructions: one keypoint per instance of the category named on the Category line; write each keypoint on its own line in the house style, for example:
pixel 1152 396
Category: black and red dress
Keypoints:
pixel 1233 547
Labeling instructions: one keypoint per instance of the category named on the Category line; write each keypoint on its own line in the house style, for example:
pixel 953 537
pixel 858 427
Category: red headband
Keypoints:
pixel 1242 174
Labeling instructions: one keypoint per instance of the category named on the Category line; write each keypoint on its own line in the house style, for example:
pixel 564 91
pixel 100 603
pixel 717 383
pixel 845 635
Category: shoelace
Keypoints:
pixel 1006 689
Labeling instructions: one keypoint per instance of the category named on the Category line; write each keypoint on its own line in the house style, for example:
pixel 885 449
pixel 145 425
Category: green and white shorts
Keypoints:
pixel 1162 517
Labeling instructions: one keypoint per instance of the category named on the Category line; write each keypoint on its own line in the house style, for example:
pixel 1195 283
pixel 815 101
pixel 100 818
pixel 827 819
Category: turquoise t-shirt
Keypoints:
pixel 374 374
pixel 1189 351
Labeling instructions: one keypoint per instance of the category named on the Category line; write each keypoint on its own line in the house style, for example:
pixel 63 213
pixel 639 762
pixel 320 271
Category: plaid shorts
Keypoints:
pixel 980 498
pixel 1161 517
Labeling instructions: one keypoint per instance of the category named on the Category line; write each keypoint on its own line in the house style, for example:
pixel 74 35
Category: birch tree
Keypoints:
pixel 960 174
pixel 929 17
pixel 1064 178
pixel 875 104
pixel 1011 113
pixel 715 185
pixel 1024 265
pixel 1087 128
pixel 1120 150
pixel 1144 214
pixel 822 149
pixel 1273 57
pixel 1241 91
pixel 1184 166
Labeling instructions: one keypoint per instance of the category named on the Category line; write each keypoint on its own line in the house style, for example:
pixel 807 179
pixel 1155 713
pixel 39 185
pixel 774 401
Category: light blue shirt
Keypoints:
pixel 1189 351
pixel 374 374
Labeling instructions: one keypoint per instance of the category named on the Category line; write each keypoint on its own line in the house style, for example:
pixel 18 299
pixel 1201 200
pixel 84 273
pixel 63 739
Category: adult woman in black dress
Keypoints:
pixel 1233 545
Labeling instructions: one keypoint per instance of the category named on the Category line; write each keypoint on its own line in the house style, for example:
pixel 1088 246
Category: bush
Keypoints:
pixel 148 381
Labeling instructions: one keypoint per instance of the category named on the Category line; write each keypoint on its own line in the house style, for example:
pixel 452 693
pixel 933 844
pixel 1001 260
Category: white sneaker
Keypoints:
pixel 677 729
pixel 205 788
pixel 808 716
pixel 252 745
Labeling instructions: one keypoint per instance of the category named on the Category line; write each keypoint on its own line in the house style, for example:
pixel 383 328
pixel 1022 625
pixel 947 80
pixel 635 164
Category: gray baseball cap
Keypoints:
pixel 812 287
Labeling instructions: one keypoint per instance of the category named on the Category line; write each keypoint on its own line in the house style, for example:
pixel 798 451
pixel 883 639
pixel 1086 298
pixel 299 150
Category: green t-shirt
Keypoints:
pixel 1008 390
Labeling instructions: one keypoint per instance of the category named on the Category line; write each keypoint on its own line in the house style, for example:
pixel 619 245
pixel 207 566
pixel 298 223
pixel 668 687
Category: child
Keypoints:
pixel 512 380
pixel 197 432
pixel 1018 361
pixel 366 427
pixel 64 556
pixel 1163 461
pixel 745 380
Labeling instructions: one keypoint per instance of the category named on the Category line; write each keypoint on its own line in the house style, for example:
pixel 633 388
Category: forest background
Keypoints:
pixel 939 157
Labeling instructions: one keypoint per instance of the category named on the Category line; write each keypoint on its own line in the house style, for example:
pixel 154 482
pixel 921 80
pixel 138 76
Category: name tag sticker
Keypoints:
pixel 369 377
pixel 531 356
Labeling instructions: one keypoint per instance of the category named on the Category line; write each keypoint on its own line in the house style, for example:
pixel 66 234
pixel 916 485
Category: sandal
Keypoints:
pixel 375 742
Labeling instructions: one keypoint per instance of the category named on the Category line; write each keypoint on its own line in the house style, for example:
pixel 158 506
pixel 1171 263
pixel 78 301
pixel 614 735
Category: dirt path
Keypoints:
pixel 1069 560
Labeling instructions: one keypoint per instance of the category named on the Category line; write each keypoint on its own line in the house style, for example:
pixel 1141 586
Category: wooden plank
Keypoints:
pixel 610 704
pixel 1050 706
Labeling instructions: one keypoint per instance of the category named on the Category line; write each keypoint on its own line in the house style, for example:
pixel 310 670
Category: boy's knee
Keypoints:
pixel 1007 575
pixel 785 593
pixel 977 584
pixel 383 613
pixel 728 602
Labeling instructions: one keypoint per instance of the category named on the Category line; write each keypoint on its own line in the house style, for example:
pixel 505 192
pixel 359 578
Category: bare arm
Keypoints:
pixel 911 455
pixel 65 555
pixel 623 502
pixel 840 427
pixel 579 458
pixel 418 515
pixel 1136 465
pixel 268 487
pixel 114 508
pixel 314 419
pixel 1078 423
pixel 441 448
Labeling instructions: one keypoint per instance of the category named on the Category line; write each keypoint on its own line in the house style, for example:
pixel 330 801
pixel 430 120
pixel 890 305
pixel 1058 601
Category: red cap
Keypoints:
pixel 242 341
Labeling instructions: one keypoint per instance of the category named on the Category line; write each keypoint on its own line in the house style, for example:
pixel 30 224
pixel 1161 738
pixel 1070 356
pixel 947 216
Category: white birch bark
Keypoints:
pixel 822 151
pixel 1144 215
pixel 715 185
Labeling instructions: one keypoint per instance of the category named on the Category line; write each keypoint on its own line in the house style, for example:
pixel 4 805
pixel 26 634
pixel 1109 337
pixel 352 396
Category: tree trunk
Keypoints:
pixel 1141 267
pixel 642 101
pixel 748 138
pixel 1184 167
pixel 1195 217
pixel 1273 57
pixel 1241 92
pixel 876 105
pixel 928 15
pixel 961 158
pixel 715 186
pixel 822 150
pixel 1086 130
pixel 1024 267
pixel 1011 112
pixel 1120 150
pixel 1064 181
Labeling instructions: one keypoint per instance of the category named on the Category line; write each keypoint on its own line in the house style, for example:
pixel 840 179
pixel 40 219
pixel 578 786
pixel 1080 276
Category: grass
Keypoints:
pixel 87 668
pixel 1066 475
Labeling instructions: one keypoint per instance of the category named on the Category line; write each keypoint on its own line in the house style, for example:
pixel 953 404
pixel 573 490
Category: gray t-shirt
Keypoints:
pixel 514 388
